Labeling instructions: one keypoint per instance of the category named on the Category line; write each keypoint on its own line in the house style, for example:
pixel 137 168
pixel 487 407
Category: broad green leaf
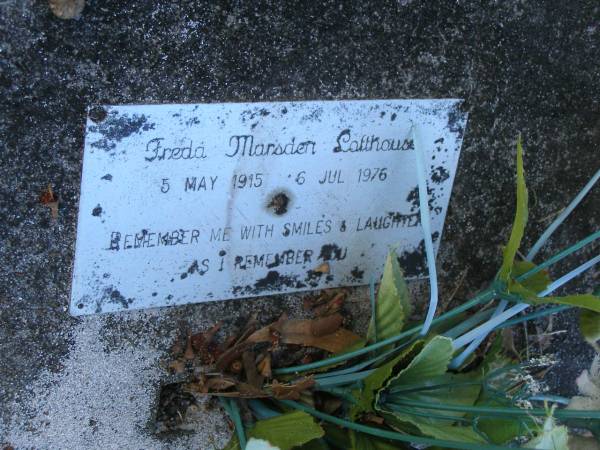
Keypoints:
pixel 585 301
pixel 518 229
pixel 552 437
pixel 501 430
pixel 392 306
pixel 460 389
pixel 432 361
pixel 535 283
pixel 415 382
pixel 287 430
pixel 589 325
pixel 315 444
pixel 450 432
pixel 337 436
pixel 362 441
pixel 371 384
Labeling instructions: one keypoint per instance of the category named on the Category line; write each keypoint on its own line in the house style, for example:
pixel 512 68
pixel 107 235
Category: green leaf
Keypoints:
pixel 446 432
pixel 500 430
pixel 463 389
pixel 585 301
pixel 362 441
pixel 417 382
pixel 535 283
pixel 288 430
pixel 551 438
pixel 393 305
pixel 432 361
pixel 371 384
pixel 589 325
pixel 518 229
pixel 315 444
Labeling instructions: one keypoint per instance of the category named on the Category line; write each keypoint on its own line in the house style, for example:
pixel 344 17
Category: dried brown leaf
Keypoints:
pixel 326 325
pixel 230 355
pixel 50 200
pixel 332 306
pixel 291 391
pixel 252 375
pixel 264 367
pixel 302 332
pixel 219 383
pixel 177 366
pixel 322 268
pixel 189 351
pixel 67 9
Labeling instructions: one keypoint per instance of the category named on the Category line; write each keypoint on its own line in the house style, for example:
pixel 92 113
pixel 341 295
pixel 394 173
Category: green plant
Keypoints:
pixel 422 385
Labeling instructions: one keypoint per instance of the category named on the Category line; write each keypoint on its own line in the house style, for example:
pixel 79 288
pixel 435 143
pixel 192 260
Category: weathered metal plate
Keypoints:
pixel 190 203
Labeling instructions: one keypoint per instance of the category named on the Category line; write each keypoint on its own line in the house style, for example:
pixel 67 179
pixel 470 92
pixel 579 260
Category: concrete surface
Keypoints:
pixel 529 67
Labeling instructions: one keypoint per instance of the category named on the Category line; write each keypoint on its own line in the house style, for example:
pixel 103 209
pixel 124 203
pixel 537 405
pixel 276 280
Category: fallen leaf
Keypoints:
pixel 219 383
pixel 252 375
pixel 322 268
pixel 264 367
pixel 189 351
pixel 332 306
pixel 50 200
pixel 326 325
pixel 291 391
pixel 66 9
pixel 301 332
pixel 230 355
pixel 177 366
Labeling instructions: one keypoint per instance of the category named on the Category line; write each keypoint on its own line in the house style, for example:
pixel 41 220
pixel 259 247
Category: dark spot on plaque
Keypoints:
pixel 222 253
pixel 154 294
pixel 414 262
pixel 97 114
pixel 97 211
pixel 274 280
pixel 455 117
pixel 331 252
pixel 439 175
pixel 284 110
pixel 393 117
pixel 382 114
pixel 279 203
pixel 80 305
pixel 114 296
pixel 357 274
pixel 116 127
pixel 107 177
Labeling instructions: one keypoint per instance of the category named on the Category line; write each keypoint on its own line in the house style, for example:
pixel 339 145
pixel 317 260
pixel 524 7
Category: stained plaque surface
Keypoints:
pixel 197 202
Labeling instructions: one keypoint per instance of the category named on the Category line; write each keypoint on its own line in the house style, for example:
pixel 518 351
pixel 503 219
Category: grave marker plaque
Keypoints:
pixel 198 202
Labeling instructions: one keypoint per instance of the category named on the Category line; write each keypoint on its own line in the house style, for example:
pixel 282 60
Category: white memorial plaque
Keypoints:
pixel 190 203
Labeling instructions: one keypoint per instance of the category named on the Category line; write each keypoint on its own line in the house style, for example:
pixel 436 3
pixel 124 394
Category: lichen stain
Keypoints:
pixel 117 127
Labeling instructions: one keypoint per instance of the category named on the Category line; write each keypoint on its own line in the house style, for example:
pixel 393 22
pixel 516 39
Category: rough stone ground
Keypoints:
pixel 529 67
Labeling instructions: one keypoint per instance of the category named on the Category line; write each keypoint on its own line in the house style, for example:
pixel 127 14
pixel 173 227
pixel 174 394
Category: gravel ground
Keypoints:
pixel 529 67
